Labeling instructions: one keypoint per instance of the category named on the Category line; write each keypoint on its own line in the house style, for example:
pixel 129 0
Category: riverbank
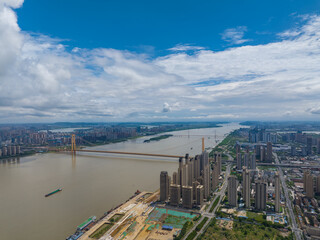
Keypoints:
pixel 200 126
pixel 25 154
pixel 228 143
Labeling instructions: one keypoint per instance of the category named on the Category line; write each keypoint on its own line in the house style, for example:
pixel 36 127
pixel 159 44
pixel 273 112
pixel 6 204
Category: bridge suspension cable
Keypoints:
pixel 74 150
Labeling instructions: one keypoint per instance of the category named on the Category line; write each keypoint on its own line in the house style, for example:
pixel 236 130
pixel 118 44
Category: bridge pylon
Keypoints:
pixel 73 144
pixel 203 145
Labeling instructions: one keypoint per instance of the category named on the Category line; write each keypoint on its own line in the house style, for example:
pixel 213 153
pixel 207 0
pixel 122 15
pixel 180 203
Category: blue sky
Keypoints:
pixel 144 25
pixel 102 60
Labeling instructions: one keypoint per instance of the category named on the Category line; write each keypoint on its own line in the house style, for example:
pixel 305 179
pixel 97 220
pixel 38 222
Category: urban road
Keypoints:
pixel 295 228
pixel 289 165
pixel 206 213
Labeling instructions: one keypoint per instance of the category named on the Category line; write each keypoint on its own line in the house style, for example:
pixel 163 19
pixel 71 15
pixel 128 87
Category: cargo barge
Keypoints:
pixel 49 194
pixel 86 223
pixel 75 236
pixel 85 226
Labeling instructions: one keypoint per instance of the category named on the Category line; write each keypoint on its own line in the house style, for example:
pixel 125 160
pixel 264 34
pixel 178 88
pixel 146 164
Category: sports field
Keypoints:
pixel 169 217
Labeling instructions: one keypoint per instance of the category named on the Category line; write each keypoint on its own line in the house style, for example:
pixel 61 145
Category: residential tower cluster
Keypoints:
pixel 194 181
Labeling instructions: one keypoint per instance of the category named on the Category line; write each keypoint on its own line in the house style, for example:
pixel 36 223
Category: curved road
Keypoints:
pixel 206 213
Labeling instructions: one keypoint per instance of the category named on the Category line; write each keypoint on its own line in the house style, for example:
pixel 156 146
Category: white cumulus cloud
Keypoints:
pixel 40 80
pixel 11 3
pixel 185 47
pixel 235 35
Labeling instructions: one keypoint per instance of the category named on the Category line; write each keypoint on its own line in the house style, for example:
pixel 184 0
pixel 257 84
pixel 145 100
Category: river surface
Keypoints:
pixel 92 183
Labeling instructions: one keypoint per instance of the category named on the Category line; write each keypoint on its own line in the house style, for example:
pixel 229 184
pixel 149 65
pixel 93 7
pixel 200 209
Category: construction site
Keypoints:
pixel 139 218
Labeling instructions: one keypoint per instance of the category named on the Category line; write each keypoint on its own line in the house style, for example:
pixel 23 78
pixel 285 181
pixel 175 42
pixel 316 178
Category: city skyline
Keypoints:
pixel 231 67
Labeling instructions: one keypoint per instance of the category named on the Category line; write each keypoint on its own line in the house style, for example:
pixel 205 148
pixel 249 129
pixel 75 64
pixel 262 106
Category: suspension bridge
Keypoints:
pixel 74 150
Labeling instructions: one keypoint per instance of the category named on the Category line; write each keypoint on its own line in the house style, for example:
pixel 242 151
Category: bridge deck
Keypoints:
pixel 131 153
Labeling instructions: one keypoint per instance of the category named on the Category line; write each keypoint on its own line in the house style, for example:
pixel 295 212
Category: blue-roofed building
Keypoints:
pixel 166 227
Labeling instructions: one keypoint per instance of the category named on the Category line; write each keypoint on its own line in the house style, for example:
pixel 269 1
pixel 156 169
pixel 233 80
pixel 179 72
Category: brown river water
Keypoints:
pixel 92 183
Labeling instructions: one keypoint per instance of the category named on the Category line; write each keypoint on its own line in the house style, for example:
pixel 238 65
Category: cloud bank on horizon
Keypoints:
pixel 42 81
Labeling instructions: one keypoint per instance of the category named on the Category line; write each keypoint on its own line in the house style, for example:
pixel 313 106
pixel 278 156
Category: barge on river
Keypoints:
pixel 55 191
